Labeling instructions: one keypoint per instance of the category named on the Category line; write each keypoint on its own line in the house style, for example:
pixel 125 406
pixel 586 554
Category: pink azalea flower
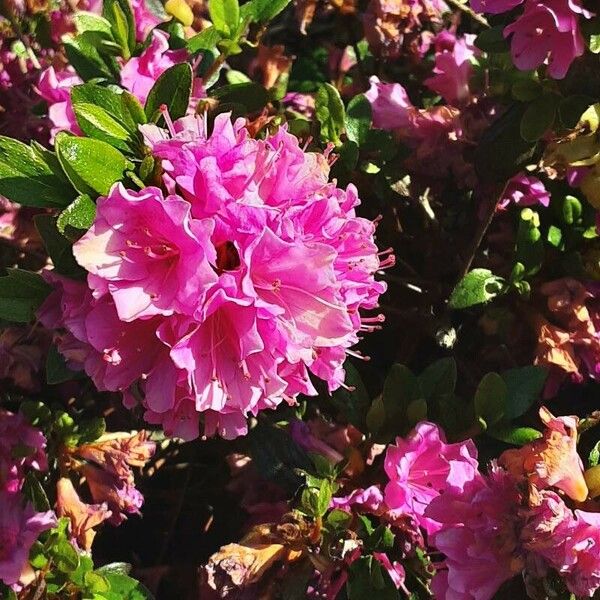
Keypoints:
pixel 478 533
pixel 453 70
pixel 22 447
pixel 547 32
pixel 421 467
pixel 524 190
pixel 395 571
pixel 20 526
pixel 142 247
pixel 390 104
pixel 141 72
pixel 256 276
pixel 55 88
pixel 145 19
pixel 369 500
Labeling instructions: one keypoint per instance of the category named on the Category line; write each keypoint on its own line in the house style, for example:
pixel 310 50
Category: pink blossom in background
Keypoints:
pixel 20 526
pixel 140 72
pixel 478 534
pixel 55 87
pixel 22 357
pixel 22 447
pixel 145 19
pixel 524 190
pixel 369 499
pixel 281 268
pixel 453 69
pixel 547 32
pixel 421 467
pixel 394 569
pixel 389 103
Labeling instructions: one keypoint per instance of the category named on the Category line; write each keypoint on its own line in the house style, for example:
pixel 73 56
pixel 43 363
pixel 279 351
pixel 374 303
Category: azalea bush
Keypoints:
pixel 299 299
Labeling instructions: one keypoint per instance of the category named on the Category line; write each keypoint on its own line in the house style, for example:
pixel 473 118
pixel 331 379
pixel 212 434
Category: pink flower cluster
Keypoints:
pixel 524 190
pixel 138 75
pixel 222 299
pixel 22 448
pixel 546 32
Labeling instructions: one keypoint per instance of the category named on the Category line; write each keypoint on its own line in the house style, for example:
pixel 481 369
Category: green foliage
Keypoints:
pixel 30 176
pixel 225 16
pixel 368 579
pixel 358 119
pixel 78 215
pixel 330 113
pixel 58 246
pixel 21 294
pixel 476 287
pixel 491 398
pixel 91 165
pixel 249 95
pixel 173 90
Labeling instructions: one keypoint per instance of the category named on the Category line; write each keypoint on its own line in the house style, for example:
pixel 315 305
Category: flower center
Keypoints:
pixel 228 258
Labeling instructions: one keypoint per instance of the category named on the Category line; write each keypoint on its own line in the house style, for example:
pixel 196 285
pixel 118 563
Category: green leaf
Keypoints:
pixel 339 519
pixel 79 214
pixel 524 386
pixel 324 497
pixel 58 246
pixel 594 44
pixel 33 491
pixel 329 110
pixel 367 580
pixel 476 287
pixel 530 243
pixel 122 107
pixel 28 178
pixel 225 16
pixel 571 108
pixel 207 39
pixel 117 11
pixel 358 119
pixel 439 378
pixel 400 388
pixel 82 53
pixel 491 398
pixel 554 236
pixel 172 89
pixel 65 557
pixel 539 117
pixel 115 568
pixel 251 95
pixel 97 123
pixel 21 294
pixel 594 456
pixel 526 89
pixel 262 11
pixel 123 587
pixel 57 370
pixel 492 40
pixel 376 416
pixel 91 165
pixel 120 29
pixel 517 436
pixel 87 21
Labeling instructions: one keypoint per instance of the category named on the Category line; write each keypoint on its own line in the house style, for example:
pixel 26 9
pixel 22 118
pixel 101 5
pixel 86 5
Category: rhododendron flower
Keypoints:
pixel 83 517
pixel 55 87
pixel 142 247
pixel 524 190
pixel 453 70
pixel 256 275
pixel 145 19
pixel 20 526
pixel 551 461
pixel 369 500
pixel 547 32
pixel 22 447
pixel 394 569
pixel 141 72
pixel 421 467
pixel 478 534
pixel 389 104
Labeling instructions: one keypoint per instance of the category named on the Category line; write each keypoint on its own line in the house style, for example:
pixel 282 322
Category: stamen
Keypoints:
pixel 164 109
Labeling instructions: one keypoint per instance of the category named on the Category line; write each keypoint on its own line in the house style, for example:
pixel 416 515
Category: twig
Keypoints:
pixel 469 11
pixel 481 231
